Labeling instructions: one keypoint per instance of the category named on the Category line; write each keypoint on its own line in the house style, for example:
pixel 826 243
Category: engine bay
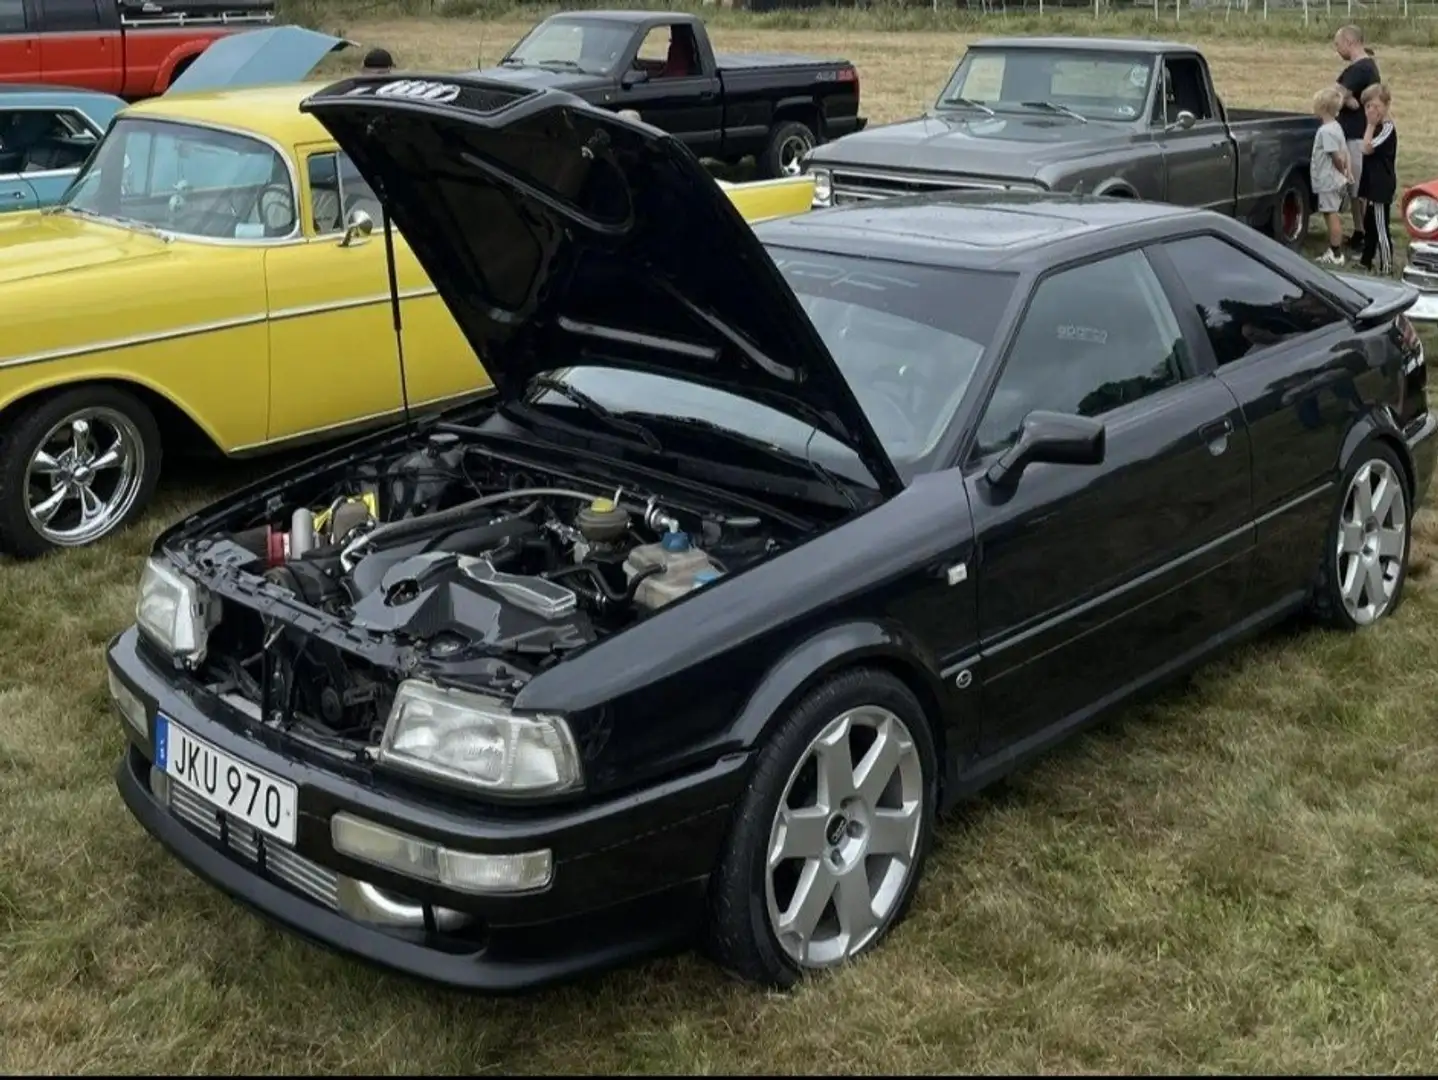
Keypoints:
pixel 454 556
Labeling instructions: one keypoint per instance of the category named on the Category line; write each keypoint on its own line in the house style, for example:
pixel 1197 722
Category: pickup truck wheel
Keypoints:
pixel 1365 561
pixel 1290 215
pixel 829 839
pixel 74 468
pixel 789 141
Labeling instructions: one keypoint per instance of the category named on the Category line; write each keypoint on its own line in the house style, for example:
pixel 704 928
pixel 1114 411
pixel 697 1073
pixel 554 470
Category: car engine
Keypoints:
pixel 460 558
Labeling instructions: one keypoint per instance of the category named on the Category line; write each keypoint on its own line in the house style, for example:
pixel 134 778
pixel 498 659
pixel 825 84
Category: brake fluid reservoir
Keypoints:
pixel 683 567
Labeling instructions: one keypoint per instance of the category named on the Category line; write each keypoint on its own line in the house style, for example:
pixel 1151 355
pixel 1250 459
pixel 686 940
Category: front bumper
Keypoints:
pixel 1422 273
pixel 629 874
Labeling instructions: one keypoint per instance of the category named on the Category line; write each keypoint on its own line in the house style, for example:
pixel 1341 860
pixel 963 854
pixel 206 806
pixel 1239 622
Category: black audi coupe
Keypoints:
pixel 767 546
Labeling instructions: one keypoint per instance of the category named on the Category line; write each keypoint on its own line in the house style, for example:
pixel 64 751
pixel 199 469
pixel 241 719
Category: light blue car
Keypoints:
pixel 46 133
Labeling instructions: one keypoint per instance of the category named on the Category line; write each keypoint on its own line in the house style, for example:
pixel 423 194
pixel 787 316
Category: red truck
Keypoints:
pixel 130 48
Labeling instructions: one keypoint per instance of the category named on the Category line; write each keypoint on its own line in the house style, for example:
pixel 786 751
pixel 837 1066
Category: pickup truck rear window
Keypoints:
pixel 60 15
pixel 12 16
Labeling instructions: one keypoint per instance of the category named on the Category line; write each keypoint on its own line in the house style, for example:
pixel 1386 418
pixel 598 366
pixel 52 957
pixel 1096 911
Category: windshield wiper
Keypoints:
pixel 584 401
pixel 828 477
pixel 1054 107
pixel 968 103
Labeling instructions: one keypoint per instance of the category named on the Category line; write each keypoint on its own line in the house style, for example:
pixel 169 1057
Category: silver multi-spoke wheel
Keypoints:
pixel 1372 541
pixel 83 476
pixel 844 839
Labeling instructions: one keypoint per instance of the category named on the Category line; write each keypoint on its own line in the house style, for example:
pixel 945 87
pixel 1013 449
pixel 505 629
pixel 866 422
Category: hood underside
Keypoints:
pixel 562 235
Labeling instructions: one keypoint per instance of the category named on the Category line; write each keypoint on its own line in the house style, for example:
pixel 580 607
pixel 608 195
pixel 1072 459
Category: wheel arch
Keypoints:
pixel 833 651
pixel 179 429
pixel 803 109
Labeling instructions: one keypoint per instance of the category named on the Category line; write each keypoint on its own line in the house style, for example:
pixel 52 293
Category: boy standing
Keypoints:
pixel 1360 73
pixel 1329 169
pixel 1378 182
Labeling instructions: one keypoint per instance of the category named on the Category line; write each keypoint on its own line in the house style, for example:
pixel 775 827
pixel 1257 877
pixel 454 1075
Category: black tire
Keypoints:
pixel 739 935
pixel 1291 211
pixel 1328 603
pixel 784 137
pixel 21 437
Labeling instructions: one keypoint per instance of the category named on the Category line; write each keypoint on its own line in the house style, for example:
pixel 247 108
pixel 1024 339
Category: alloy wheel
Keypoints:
pixel 84 475
pixel 1371 541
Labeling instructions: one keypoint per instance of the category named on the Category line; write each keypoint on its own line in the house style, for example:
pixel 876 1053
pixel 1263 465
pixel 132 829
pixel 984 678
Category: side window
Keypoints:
pixel 12 16
pixel 70 15
pixel 42 140
pixel 337 189
pixel 1095 337
pixel 1244 305
pixel 1183 88
pixel 668 52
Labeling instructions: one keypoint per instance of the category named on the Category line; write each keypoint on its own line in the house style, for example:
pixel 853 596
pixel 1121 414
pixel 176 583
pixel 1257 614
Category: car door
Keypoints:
pixel 1299 372
pixel 681 92
pixel 16 194
pixel 78 47
pixel 1199 163
pixel 19 46
pixel 333 351
pixel 1093 578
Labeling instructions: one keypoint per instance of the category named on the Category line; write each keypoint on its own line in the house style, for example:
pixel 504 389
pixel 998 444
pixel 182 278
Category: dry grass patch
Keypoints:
pixel 1240 876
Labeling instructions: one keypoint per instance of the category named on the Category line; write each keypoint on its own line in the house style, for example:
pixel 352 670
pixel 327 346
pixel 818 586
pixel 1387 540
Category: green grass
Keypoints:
pixel 1241 876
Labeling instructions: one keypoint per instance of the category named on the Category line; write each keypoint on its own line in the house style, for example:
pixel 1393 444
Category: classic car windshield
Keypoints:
pixel 907 338
pixel 1096 85
pixel 186 179
pixel 593 46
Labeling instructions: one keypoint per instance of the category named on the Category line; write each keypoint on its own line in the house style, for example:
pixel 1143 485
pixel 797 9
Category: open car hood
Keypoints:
pixel 276 54
pixel 561 235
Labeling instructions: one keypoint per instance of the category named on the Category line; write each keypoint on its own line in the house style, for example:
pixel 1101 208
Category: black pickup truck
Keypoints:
pixel 662 66
pixel 1106 116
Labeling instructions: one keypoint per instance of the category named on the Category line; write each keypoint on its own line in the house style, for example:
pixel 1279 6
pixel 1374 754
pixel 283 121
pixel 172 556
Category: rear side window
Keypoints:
pixel 1245 306
pixel 12 16
pixel 70 14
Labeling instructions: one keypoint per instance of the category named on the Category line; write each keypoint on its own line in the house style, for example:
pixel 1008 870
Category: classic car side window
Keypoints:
pixel 12 16
pixel 336 190
pixel 1245 306
pixel 1094 337
pixel 42 140
pixel 70 14
pixel 1183 89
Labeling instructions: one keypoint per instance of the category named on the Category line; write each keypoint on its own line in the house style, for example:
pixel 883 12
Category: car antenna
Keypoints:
pixel 394 306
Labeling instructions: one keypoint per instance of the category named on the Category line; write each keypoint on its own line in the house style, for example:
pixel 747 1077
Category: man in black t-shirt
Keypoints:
pixel 1358 76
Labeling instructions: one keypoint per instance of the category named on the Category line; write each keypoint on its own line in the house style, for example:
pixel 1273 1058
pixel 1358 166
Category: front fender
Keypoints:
pixel 846 645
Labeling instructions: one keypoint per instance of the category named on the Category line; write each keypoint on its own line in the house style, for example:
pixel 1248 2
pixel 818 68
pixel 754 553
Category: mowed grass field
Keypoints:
pixel 1239 876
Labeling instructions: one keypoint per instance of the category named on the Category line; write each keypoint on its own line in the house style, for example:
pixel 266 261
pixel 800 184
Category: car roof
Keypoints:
pixel 1146 46
pixel 966 229
pixel 41 94
pixel 631 16
pixel 271 111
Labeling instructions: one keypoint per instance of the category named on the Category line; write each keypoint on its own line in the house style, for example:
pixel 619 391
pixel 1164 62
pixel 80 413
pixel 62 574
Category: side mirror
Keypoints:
pixel 1056 438
pixel 633 77
pixel 358 227
pixel 1185 120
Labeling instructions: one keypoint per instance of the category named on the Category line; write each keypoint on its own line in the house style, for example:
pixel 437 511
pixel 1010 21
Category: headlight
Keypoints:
pixel 823 187
pixel 1422 214
pixel 477 742
pixel 175 612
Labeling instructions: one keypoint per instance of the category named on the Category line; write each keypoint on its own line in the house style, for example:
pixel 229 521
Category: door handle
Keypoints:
pixel 1216 435
pixel 17 194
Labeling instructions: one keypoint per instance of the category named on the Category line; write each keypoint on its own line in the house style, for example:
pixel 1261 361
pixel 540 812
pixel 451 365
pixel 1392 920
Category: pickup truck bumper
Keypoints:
pixel 838 127
pixel 1422 273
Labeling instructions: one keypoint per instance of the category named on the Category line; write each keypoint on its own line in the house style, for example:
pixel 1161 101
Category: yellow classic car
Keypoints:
pixel 214 275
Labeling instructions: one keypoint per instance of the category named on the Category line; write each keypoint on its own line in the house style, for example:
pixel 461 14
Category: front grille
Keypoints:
pixel 1423 258
pixel 282 864
pixel 862 185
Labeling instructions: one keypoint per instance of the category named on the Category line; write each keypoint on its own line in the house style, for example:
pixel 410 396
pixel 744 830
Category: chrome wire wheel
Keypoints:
pixel 843 842
pixel 84 475
pixel 1372 541
pixel 791 154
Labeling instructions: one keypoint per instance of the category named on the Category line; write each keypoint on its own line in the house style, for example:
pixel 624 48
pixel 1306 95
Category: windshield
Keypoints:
pixel 1096 85
pixel 188 180
pixel 907 338
pixel 594 47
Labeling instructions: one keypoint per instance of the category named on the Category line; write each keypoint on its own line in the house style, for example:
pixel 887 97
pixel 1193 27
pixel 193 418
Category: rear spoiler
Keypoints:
pixel 1384 307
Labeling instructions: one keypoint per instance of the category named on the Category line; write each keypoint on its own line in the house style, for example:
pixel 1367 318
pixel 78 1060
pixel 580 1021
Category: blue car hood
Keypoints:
pixel 276 54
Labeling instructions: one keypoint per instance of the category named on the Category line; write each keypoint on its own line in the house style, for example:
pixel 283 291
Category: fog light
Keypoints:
pixel 130 706
pixel 463 871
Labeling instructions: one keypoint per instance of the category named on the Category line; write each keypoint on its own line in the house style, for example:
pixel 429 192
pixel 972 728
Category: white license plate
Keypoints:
pixel 264 802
